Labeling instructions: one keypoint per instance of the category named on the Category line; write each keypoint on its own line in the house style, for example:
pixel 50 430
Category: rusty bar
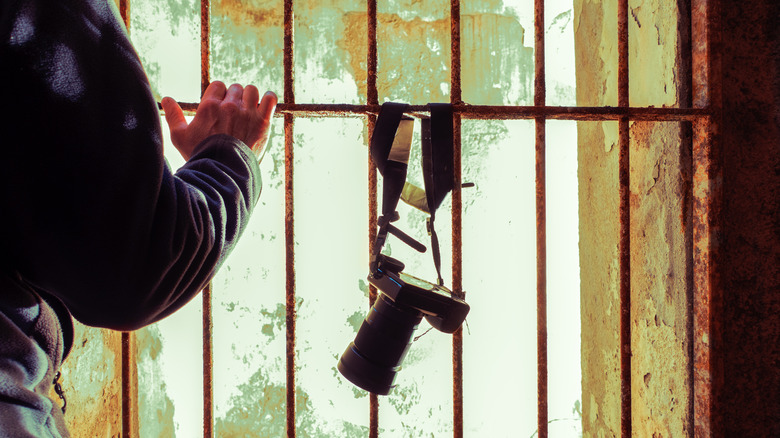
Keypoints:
pixel 494 112
pixel 289 45
pixel 625 223
pixel 541 277
pixel 289 238
pixel 371 58
pixel 540 93
pixel 129 387
pixel 208 365
pixel 289 225
pixel 208 348
pixel 124 12
pixel 457 206
pixel 205 45
pixel 455 78
pixel 540 86
pixel 625 278
pixel 457 285
pixel 373 431
pixel 622 28
pixel 372 96
pixel 708 382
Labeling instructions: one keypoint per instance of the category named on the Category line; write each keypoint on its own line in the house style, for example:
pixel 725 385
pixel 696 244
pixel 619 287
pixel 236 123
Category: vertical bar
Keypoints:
pixel 208 348
pixel 205 44
pixel 129 387
pixel 540 92
pixel 289 234
pixel 625 224
pixel 457 206
pixel 707 203
pixel 124 11
pixel 541 277
pixel 372 95
pixel 208 365
pixel 128 381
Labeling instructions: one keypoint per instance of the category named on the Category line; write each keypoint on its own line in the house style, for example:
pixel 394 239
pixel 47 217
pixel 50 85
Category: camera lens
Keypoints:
pixel 373 359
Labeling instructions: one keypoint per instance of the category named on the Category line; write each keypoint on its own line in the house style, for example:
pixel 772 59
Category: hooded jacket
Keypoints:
pixel 93 223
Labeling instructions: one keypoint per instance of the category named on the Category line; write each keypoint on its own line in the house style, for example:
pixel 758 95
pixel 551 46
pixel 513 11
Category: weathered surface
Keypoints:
pixel 751 224
pixel 659 232
pixel 91 381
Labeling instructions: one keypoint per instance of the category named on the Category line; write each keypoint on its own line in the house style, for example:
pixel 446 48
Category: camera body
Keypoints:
pixel 442 309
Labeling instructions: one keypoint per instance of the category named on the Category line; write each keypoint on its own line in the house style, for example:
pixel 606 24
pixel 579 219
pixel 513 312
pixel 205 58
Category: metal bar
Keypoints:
pixel 127 378
pixel 495 112
pixel 371 57
pixel 457 207
pixel 208 365
pixel 289 225
pixel 129 387
pixel 540 93
pixel 708 374
pixel 205 45
pixel 541 278
pixel 625 223
pixel 289 44
pixel 289 238
pixel 373 416
pixel 372 96
pixel 124 12
pixel 540 86
pixel 208 348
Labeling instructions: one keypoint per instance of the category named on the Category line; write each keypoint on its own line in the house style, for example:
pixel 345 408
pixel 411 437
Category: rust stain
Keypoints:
pixel 240 13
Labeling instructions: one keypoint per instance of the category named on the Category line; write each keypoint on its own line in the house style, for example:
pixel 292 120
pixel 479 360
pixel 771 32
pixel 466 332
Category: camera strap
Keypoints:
pixel 390 149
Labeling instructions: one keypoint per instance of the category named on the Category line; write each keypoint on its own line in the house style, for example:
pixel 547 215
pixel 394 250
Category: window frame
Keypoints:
pixel 704 115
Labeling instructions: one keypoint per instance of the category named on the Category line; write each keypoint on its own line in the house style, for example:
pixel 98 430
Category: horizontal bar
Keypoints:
pixel 496 112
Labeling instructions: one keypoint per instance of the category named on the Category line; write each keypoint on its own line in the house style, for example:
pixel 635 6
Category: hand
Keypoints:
pixel 233 111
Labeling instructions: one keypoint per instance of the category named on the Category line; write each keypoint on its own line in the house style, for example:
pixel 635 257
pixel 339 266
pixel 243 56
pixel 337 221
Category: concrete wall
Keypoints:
pixel 746 380
pixel 660 224
pixel 91 379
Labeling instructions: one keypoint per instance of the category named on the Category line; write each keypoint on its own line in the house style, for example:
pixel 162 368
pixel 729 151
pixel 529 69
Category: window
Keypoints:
pixel 258 353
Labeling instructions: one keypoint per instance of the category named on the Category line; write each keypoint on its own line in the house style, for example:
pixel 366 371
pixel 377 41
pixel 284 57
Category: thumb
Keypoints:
pixel 173 114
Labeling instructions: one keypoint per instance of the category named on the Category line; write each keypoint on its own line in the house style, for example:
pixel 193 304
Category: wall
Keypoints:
pixel 92 385
pixel 750 223
pixel 660 224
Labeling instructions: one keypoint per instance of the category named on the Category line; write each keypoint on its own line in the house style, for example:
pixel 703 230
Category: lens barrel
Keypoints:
pixel 374 358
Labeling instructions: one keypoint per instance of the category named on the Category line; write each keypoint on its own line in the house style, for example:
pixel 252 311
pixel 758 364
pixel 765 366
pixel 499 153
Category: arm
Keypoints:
pixel 91 212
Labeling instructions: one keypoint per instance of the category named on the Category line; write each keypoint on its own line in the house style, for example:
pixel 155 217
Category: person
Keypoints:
pixel 94 225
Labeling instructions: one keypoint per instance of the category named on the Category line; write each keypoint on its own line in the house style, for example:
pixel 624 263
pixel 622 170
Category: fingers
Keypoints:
pixel 228 121
pixel 173 113
pixel 251 97
pixel 268 105
pixel 215 90
pixel 234 110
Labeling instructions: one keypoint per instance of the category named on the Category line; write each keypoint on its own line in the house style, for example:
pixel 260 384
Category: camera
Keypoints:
pixel 374 358
pixel 372 361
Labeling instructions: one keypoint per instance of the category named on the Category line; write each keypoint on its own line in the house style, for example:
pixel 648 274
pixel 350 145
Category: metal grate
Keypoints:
pixel 703 114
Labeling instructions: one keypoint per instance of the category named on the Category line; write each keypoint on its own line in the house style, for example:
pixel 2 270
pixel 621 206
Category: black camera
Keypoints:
pixel 372 361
